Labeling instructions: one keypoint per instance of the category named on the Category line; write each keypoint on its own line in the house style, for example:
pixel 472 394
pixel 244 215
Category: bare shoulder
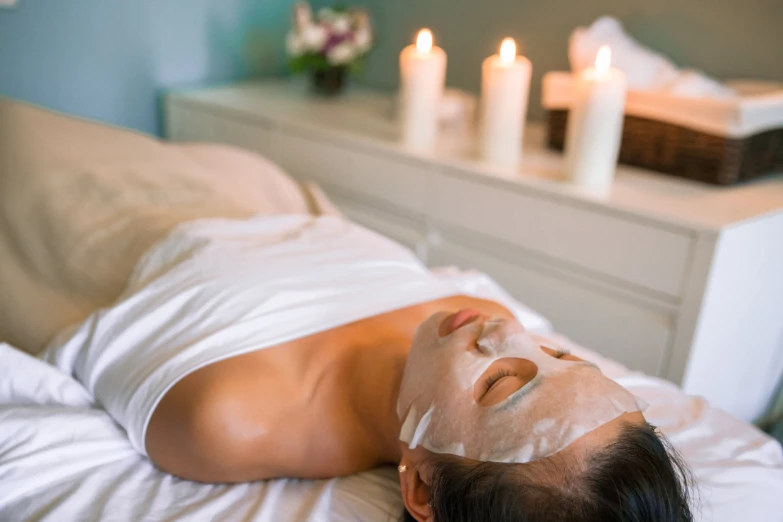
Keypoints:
pixel 278 412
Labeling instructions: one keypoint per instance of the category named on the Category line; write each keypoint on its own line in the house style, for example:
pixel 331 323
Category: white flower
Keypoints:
pixel 341 24
pixel 341 54
pixel 294 44
pixel 363 39
pixel 313 38
pixel 303 15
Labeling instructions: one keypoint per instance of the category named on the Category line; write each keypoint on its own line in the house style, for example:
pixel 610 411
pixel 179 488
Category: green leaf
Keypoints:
pixel 305 62
pixel 297 64
pixel 318 62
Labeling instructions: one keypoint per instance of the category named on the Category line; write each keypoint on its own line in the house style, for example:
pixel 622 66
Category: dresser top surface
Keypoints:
pixel 363 118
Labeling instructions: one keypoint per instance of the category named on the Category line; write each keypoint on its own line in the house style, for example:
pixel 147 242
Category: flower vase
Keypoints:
pixel 330 81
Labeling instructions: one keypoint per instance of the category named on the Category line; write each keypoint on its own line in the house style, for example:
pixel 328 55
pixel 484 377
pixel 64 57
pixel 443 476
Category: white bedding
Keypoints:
pixel 62 458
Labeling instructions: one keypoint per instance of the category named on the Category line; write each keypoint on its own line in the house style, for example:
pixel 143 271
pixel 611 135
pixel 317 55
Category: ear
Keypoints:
pixel 415 492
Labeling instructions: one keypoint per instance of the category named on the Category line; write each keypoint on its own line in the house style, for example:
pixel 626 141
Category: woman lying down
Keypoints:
pixel 287 345
pixel 300 346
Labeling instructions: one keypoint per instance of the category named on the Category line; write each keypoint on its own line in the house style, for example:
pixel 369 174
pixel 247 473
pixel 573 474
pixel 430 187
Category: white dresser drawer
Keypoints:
pixel 401 184
pixel 626 331
pixel 631 251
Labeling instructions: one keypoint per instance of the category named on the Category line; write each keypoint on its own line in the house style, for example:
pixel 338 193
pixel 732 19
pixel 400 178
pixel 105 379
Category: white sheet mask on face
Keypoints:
pixel 565 399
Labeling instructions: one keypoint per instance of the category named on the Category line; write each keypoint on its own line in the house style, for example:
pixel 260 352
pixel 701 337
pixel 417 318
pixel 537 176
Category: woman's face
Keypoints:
pixel 485 389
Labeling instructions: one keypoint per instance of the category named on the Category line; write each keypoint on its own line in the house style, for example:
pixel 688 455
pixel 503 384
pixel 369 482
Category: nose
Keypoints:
pixel 458 319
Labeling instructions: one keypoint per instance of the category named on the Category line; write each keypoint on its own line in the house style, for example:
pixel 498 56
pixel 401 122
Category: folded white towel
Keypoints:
pixel 645 69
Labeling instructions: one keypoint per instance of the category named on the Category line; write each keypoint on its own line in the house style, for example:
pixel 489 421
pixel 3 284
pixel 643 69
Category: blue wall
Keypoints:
pixel 111 59
pixel 725 38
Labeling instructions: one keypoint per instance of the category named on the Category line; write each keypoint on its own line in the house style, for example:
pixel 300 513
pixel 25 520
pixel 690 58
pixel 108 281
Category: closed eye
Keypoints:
pixel 495 377
pixel 502 378
pixel 561 353
pixel 503 372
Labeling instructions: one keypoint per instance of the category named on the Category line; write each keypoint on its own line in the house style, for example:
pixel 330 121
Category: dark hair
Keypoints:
pixel 637 478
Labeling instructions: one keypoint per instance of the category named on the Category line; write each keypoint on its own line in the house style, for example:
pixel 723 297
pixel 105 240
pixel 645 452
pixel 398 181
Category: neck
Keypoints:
pixel 378 371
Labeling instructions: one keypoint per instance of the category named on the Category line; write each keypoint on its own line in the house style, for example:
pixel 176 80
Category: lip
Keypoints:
pixel 458 320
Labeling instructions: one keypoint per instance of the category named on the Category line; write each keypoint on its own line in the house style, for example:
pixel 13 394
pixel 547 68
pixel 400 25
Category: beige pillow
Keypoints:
pixel 80 202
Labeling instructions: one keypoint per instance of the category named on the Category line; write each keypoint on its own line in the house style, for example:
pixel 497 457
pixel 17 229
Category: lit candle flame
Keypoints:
pixel 424 41
pixel 508 51
pixel 603 59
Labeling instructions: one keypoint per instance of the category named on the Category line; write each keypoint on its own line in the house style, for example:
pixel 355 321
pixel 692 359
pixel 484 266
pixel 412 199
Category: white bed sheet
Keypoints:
pixel 62 458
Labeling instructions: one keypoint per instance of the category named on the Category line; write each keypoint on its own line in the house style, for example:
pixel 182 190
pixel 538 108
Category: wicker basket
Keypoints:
pixel 675 141
pixel 678 151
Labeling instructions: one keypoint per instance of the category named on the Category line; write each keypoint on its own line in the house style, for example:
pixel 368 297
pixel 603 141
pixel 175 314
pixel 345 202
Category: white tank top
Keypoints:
pixel 218 288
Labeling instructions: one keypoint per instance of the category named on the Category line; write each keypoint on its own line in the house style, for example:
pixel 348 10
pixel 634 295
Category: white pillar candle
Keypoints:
pixel 595 123
pixel 505 84
pixel 423 77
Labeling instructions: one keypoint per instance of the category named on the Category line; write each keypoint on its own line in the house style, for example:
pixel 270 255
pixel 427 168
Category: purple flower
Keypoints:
pixel 333 40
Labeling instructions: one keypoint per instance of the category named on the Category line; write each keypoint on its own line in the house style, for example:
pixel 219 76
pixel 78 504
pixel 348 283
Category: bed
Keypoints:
pixel 63 458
